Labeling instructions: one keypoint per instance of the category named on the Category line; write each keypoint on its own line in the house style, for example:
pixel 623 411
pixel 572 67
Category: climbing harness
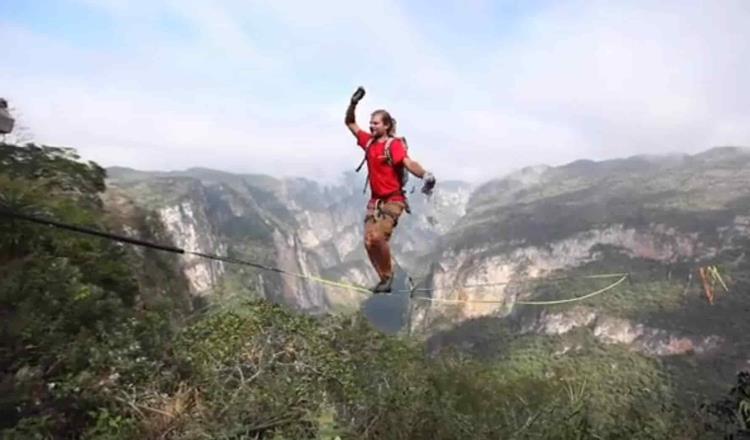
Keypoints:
pixel 379 211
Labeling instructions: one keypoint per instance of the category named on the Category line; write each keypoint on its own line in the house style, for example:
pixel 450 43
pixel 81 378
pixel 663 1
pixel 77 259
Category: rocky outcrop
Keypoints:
pixel 613 330
pixel 331 233
pixel 561 323
pixel 652 341
pixel 485 274
pixel 188 227
pixel 159 275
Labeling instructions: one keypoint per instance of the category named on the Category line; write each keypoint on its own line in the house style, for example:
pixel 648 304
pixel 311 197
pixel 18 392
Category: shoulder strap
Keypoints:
pixel 388 147
pixel 364 159
pixel 367 149
pixel 387 150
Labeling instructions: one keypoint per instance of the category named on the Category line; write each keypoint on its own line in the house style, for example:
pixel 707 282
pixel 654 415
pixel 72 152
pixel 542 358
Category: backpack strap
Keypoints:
pixel 367 150
pixel 387 151
pixel 388 143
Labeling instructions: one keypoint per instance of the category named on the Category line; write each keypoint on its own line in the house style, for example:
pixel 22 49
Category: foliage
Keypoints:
pixel 53 169
pixel 70 332
pixel 257 371
pixel 730 416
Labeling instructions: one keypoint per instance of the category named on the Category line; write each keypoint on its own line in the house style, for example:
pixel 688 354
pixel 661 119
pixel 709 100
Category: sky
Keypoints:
pixel 479 88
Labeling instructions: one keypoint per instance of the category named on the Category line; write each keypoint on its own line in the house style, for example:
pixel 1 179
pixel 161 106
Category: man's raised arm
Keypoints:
pixel 350 120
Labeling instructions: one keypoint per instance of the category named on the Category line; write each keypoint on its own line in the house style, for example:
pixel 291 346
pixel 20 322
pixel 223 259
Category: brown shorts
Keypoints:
pixel 383 217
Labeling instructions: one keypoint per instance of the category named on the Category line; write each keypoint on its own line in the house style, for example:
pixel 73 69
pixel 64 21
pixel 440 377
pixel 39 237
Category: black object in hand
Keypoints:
pixel 429 184
pixel 358 94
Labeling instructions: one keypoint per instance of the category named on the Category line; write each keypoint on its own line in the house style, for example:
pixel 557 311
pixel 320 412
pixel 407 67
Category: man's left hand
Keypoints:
pixel 429 183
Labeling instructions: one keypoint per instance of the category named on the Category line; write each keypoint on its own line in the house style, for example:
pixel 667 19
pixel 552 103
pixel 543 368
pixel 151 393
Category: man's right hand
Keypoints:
pixel 350 119
pixel 358 95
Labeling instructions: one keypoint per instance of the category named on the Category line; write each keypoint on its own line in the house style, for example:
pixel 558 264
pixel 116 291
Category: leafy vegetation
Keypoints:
pixel 73 316
pixel 730 416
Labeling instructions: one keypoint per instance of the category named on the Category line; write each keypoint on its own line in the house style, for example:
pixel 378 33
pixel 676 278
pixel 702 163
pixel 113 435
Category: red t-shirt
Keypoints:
pixel 384 178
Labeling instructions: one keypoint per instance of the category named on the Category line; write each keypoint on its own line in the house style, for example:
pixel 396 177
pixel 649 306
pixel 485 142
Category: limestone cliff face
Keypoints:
pixel 328 238
pixel 159 275
pixel 188 227
pixel 611 330
pixel 456 274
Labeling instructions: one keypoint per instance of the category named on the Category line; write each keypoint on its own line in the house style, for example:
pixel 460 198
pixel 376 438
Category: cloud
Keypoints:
pixel 262 86
pixel 631 79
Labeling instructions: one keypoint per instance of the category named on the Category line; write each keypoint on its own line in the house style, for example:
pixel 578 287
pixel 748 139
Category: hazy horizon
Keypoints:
pixel 341 178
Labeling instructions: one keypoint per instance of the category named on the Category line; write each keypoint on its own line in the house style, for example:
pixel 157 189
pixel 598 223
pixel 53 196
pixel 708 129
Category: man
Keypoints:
pixel 386 158
pixel 6 120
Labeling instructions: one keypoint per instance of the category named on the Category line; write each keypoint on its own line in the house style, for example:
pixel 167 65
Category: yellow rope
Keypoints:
pixel 330 282
pixel 579 298
pixel 531 280
pixel 715 272
pixel 529 303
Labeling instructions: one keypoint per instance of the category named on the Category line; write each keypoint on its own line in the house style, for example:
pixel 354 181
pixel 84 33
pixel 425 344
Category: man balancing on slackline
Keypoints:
pixel 387 159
